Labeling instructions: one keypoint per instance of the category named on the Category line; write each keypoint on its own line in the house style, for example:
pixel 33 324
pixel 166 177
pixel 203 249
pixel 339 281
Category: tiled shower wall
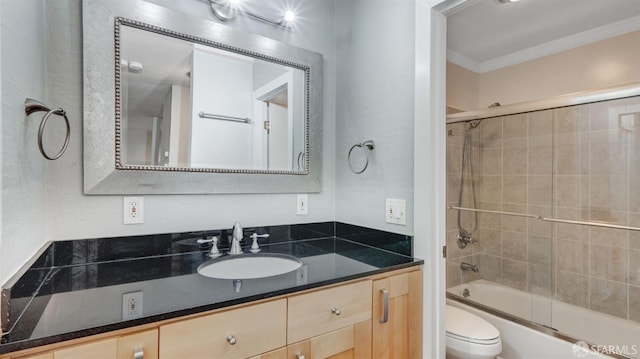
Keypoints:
pixel 580 162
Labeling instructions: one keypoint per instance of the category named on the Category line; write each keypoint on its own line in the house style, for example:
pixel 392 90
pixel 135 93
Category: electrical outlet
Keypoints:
pixel 133 210
pixel 396 211
pixel 132 305
pixel 302 204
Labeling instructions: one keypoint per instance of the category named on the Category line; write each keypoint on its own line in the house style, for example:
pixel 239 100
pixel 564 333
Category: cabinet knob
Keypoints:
pixel 138 354
pixel 336 311
pixel 231 340
pixel 300 356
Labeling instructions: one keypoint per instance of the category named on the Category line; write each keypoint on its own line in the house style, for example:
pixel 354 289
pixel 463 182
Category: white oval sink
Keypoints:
pixel 249 266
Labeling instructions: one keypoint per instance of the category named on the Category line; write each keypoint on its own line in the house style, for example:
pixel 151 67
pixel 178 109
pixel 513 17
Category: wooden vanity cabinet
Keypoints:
pixel 340 322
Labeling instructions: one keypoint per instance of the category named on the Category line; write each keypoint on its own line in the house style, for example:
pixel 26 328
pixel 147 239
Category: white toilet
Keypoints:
pixel 470 337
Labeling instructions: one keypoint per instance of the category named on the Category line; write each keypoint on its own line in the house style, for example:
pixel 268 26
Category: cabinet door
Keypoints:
pixel 353 342
pixel 237 333
pixel 398 334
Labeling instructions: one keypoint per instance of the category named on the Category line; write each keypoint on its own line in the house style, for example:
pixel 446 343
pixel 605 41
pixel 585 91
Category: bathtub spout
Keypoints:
pixel 469 267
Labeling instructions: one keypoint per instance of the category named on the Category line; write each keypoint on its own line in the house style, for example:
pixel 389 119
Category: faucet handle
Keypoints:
pixel 214 252
pixel 205 240
pixel 255 248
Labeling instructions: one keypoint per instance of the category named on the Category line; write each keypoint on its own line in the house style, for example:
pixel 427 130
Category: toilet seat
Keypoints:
pixel 467 327
pixel 473 340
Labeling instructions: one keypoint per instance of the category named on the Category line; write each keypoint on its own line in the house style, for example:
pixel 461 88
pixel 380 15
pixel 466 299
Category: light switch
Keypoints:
pixel 396 211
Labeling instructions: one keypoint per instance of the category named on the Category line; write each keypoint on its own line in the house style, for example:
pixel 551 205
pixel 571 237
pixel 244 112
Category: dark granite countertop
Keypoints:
pixel 75 288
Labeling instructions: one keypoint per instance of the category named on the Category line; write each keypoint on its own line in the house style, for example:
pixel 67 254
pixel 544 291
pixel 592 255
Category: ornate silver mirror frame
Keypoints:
pixel 105 174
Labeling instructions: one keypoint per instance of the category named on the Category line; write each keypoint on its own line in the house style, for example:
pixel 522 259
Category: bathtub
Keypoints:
pixel 608 333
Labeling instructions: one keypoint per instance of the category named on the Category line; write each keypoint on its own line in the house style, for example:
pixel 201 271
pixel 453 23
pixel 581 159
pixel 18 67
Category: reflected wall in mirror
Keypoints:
pixel 190 103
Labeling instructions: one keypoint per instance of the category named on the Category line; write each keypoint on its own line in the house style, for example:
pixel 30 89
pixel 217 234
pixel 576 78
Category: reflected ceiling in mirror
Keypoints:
pixel 190 104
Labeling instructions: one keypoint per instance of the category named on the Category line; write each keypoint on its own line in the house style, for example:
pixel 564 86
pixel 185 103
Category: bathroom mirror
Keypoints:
pixel 188 105
pixel 176 104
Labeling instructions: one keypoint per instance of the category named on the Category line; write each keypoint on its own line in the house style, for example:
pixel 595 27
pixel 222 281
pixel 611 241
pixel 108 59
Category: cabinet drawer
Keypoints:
pixel 313 314
pixel 143 343
pixel 104 349
pixel 124 347
pixel 256 329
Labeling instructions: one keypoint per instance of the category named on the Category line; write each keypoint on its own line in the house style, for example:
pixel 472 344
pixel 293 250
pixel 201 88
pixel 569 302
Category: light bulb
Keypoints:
pixel 234 2
pixel 289 16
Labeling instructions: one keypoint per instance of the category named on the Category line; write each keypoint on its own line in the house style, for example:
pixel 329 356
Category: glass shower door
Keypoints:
pixel 510 172
pixel 557 236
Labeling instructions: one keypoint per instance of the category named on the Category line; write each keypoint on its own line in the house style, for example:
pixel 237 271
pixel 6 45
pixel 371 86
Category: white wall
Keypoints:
pixel 23 168
pixel 375 99
pixel 47 200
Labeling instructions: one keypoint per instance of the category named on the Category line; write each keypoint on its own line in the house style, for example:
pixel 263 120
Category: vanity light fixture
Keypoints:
pixel 289 16
pixel 226 10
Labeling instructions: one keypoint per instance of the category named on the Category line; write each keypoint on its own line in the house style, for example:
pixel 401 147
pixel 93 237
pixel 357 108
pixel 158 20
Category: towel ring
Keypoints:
pixel 366 146
pixel 31 106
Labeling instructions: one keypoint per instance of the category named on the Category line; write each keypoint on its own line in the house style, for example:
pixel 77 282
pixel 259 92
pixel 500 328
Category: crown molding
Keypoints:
pixel 549 48
pixel 464 61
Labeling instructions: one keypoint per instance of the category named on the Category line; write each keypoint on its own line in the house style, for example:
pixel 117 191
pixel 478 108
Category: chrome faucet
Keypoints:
pixel 469 267
pixel 465 238
pixel 235 239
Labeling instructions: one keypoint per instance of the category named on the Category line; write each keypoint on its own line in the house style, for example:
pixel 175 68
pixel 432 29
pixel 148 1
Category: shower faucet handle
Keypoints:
pixel 464 239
